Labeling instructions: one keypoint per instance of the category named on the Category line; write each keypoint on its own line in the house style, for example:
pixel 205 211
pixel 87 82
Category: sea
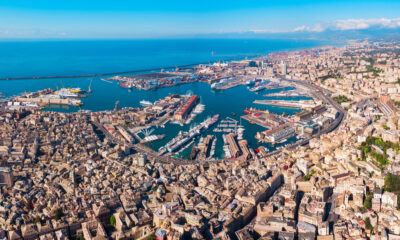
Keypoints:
pixel 81 57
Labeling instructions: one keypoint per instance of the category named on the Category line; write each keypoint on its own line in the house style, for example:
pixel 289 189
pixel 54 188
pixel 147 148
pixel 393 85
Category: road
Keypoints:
pixel 323 95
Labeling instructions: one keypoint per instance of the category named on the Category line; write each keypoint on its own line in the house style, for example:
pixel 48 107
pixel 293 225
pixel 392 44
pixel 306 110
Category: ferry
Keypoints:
pixel 257 88
pixel 76 90
pixel 66 93
pixel 250 82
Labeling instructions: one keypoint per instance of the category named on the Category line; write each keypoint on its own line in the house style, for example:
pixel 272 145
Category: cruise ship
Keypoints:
pixel 66 93
pixel 221 83
pixel 184 137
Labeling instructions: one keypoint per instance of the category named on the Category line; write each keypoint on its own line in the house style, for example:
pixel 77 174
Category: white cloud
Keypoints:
pixel 352 24
pixel 258 30
pixel 301 29
pixel 315 28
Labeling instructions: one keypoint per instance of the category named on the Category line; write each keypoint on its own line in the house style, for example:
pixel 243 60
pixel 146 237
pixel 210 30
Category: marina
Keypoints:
pixel 184 137
pixel 105 94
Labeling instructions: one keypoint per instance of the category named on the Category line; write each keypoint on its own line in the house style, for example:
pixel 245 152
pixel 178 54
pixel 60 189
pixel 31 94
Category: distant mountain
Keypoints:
pixel 327 35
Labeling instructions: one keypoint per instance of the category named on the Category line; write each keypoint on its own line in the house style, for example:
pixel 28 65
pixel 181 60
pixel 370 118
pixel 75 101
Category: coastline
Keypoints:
pixel 159 68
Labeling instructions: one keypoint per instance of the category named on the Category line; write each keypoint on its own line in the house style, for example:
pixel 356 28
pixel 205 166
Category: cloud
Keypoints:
pixel 258 31
pixel 301 29
pixel 315 28
pixel 352 24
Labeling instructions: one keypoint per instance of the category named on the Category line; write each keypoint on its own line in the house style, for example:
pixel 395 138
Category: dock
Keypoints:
pixel 47 101
pixel 288 104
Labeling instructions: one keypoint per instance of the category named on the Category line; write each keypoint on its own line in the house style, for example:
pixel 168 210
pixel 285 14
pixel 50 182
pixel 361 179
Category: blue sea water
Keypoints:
pixel 49 58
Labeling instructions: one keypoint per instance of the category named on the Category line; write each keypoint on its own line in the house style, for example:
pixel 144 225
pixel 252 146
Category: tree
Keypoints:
pixel 58 214
pixel 368 224
pixel 37 219
pixel 112 220
pixel 151 237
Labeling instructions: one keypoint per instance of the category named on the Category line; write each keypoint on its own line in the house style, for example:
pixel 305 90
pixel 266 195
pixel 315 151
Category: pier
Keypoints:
pixel 47 101
pixel 127 72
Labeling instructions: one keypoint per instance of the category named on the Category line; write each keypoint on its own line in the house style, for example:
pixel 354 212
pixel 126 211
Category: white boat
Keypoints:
pixel 66 93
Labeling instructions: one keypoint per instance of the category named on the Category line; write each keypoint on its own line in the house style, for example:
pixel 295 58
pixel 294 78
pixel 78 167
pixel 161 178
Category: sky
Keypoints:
pixel 169 18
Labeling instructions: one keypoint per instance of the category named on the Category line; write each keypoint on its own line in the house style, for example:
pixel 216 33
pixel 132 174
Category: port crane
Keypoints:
pixel 90 84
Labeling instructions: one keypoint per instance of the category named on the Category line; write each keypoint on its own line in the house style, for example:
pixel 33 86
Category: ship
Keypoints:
pixel 221 84
pixel 126 85
pixel 250 82
pixel 257 88
pixel 66 93
pixel 184 137
pixel 76 90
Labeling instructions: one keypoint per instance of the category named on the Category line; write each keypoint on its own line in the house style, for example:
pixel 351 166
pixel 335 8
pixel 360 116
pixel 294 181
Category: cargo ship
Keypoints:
pixel 184 137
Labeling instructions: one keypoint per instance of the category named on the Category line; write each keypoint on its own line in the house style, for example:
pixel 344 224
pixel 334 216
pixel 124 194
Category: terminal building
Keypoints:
pixel 233 146
pixel 184 111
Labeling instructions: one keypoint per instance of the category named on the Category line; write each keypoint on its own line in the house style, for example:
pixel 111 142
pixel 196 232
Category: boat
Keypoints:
pixel 76 90
pixel 183 138
pixel 257 88
pixel 153 138
pixel 66 93
pixel 250 82
pixel 126 85
pixel 198 109
pixel 145 103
